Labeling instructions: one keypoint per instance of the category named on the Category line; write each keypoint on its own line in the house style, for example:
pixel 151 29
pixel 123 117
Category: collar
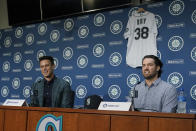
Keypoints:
pixel 51 81
pixel 155 83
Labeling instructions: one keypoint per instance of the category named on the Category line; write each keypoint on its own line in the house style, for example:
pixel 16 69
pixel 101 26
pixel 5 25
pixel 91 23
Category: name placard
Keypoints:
pixel 115 106
pixel 15 102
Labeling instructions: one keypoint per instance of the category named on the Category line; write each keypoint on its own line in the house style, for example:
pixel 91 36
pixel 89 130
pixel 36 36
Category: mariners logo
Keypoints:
pixel 40 53
pixel 114 91
pixel 99 19
pixel 98 50
pixel 54 35
pixel 6 66
pixel 68 24
pixel 28 65
pixel 193 16
pixel 132 80
pixel 26 91
pixel 158 20
pixel 67 53
pixel 42 28
pixel 83 31
pixel 175 43
pixel 193 92
pixel 29 39
pixel 18 32
pixel 7 42
pixel 56 62
pixel 68 79
pixel 16 83
pixel 132 10
pixel 115 59
pixel 176 7
pixel 97 81
pixel 82 61
pixel 4 91
pixel 81 91
pixel 159 54
pixel 116 27
pixel 193 54
pixel 175 79
pixel 50 120
pixel 17 57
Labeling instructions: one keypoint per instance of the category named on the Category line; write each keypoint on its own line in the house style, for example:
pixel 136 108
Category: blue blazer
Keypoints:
pixel 61 94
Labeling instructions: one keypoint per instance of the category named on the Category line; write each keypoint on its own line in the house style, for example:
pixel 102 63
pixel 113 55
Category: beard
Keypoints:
pixel 150 75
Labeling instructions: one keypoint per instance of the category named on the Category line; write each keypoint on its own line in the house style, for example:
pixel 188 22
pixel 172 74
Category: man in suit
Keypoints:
pixel 50 91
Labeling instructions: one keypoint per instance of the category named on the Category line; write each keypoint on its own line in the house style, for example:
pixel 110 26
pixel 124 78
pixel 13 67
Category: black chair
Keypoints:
pixel 92 102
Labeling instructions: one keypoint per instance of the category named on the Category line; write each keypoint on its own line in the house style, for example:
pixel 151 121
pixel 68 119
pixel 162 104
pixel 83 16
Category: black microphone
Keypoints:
pixel 133 94
pixel 35 102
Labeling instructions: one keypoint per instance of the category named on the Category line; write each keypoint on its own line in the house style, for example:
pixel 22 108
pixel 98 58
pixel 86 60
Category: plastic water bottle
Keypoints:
pixel 181 102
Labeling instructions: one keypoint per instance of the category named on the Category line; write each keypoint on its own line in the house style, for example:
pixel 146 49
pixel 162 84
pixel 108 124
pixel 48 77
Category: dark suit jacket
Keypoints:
pixel 61 94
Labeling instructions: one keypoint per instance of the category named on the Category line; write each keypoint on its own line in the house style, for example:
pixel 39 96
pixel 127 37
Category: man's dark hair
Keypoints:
pixel 157 62
pixel 50 58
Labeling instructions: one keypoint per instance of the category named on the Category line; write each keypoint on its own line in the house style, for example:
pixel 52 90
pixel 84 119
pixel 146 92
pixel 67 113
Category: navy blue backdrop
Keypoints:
pixel 90 50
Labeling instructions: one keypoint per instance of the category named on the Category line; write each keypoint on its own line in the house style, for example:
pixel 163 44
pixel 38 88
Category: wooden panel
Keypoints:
pixel 129 123
pixel 1 119
pixel 194 126
pixel 69 121
pixel 15 120
pixel 170 124
pixel 33 119
pixel 93 122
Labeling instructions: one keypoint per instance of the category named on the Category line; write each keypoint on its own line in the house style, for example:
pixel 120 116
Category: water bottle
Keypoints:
pixel 181 108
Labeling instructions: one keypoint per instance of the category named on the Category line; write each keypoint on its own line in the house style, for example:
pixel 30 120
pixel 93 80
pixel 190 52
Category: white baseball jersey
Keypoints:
pixel 141 32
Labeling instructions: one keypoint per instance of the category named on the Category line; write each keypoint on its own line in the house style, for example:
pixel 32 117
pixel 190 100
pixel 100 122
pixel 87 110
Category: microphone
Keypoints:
pixel 35 102
pixel 133 94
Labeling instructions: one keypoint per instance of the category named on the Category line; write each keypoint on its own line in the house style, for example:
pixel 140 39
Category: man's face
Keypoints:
pixel 149 69
pixel 46 68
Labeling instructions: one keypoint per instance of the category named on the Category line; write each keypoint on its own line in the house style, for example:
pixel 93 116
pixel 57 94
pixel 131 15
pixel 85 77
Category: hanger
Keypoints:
pixel 141 10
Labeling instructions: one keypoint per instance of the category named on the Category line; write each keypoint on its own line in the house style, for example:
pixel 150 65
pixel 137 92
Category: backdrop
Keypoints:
pixel 90 50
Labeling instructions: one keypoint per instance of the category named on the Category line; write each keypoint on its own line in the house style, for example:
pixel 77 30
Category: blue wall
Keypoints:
pixel 90 52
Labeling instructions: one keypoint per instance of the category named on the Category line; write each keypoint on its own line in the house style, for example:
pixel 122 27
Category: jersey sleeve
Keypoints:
pixel 129 28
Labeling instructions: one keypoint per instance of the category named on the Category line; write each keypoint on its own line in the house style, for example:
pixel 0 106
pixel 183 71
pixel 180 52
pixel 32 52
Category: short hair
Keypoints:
pixel 50 58
pixel 157 62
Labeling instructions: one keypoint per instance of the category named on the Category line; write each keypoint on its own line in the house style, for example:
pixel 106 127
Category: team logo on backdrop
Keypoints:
pixel 40 53
pixel 68 24
pixel 7 42
pixel 56 62
pixel 193 17
pixel 115 59
pixel 81 91
pixel 97 81
pixel 68 79
pixel 67 53
pixel 99 19
pixel 175 79
pixel 114 91
pixel 50 120
pixel 18 32
pixel 116 27
pixel 158 20
pixel 17 57
pixel 28 65
pixel 193 54
pixel 16 83
pixel 132 80
pixel 42 28
pixel 39 78
pixel 98 50
pixel 159 54
pixel 175 43
pixel 82 61
pixel 176 7
pixel 54 35
pixel 193 92
pixel 26 91
pixel 6 66
pixel 132 10
pixel 4 91
pixel 29 39
pixel 83 31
